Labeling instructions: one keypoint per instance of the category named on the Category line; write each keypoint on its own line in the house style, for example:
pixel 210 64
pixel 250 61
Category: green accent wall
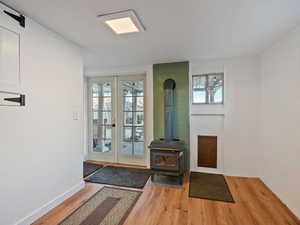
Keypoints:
pixel 178 71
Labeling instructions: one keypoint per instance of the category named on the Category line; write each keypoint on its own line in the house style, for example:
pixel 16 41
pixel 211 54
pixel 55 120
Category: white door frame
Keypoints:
pixel 117 118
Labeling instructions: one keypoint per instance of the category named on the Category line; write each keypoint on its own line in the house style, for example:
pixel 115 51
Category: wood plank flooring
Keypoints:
pixel 254 204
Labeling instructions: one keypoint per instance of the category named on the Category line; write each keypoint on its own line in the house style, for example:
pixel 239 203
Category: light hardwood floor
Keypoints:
pixel 254 204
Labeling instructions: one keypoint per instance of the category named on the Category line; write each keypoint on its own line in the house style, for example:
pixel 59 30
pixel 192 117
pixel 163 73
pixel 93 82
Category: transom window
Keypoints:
pixel 208 88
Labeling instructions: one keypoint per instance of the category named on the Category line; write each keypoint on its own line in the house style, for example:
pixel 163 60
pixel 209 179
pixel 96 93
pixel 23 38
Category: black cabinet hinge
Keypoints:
pixel 20 18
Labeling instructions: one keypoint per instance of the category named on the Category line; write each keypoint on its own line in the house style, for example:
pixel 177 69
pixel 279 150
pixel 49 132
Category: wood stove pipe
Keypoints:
pixel 169 86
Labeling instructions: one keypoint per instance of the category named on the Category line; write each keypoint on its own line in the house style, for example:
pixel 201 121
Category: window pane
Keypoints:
pixel 138 148
pixel 139 134
pixel 199 96
pixel 127 88
pixel 133 88
pixel 138 118
pixel 106 104
pixel 106 132
pixel 96 103
pixel 218 95
pixel 199 82
pixel 127 103
pixel 138 88
pixel 103 119
pixel 95 90
pixel 128 118
pixel 215 88
pixel 208 88
pixel 101 90
pixel 140 103
pixel 106 117
pixel 95 116
pixel 101 145
pixel 102 132
pixel 126 148
pixel 132 142
pixel 127 134
pixel 102 104
pixel 106 91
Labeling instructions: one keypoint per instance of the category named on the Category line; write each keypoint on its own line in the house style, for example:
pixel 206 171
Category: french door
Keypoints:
pixel 116 119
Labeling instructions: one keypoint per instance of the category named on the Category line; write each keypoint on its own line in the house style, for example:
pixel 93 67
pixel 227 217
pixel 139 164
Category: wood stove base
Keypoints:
pixel 168 174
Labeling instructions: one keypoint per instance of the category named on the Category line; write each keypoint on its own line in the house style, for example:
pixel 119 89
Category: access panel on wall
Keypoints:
pixel 9 60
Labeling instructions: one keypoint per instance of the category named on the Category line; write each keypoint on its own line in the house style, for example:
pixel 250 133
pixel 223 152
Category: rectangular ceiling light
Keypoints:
pixel 122 25
pixel 123 22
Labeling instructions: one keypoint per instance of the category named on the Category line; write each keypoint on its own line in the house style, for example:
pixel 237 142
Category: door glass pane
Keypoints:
pixel 138 148
pixel 133 88
pixel 139 103
pixel 103 132
pixel 126 148
pixel 127 134
pixel 138 88
pixel 102 103
pixel 128 118
pixel 127 103
pixel 139 134
pixel 132 142
pixel 106 90
pixel 102 145
pixel 127 88
pixel 138 118
pixel 106 132
pixel 102 117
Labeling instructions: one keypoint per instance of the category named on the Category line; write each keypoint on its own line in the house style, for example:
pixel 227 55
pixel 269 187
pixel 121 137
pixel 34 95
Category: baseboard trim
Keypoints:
pixel 50 205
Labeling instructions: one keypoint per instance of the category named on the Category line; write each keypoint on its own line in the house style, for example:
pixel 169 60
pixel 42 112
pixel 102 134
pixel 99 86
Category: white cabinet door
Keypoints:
pixel 10 33
pixel 9 60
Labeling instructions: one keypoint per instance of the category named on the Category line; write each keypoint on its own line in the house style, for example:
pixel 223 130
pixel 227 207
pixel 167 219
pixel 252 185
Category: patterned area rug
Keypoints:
pixel 109 206
pixel 121 176
pixel 89 168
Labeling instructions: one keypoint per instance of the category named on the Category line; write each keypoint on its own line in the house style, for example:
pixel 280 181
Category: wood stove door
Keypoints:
pixel 164 160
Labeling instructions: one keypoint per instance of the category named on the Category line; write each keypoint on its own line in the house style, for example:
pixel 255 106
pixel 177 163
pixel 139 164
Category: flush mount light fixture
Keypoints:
pixel 123 22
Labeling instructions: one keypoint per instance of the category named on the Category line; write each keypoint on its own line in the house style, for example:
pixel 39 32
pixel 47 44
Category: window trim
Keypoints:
pixel 206 75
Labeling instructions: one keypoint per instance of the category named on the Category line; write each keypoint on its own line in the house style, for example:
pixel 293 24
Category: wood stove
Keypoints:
pixel 167 154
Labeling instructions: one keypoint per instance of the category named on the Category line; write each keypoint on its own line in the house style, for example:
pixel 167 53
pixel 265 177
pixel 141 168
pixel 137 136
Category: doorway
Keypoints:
pixel 116 112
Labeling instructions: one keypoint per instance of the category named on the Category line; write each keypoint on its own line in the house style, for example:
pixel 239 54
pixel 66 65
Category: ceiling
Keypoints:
pixel 175 29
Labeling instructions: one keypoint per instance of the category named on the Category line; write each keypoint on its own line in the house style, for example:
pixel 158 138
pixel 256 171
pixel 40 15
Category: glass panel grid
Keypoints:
pixel 208 89
pixel 102 117
pixel 132 143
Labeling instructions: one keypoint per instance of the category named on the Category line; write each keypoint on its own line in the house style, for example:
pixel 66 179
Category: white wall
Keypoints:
pixel 236 122
pixel 280 119
pixel 41 145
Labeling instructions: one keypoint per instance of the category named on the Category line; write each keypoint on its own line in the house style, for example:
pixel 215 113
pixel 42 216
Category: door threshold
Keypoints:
pixel 116 164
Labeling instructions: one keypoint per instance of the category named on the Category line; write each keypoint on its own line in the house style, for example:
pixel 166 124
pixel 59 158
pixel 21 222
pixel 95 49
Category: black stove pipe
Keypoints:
pixel 169 86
